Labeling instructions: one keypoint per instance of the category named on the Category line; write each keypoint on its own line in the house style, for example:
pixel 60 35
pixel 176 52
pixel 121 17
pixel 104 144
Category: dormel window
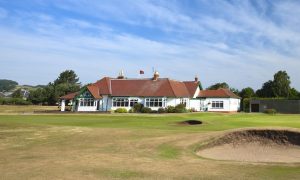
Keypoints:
pixel 155 102
pixel 120 102
pixel 133 102
pixel 217 105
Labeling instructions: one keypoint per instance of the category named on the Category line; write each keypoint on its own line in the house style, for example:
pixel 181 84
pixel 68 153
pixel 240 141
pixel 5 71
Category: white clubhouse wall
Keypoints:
pixel 229 104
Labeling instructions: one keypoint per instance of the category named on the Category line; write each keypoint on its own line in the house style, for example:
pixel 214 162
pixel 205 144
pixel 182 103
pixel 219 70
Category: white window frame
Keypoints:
pixel 155 102
pixel 120 102
pixel 217 104
pixel 86 102
pixel 133 101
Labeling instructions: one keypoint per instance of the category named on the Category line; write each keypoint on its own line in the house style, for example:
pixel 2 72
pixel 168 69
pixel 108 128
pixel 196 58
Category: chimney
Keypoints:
pixel 196 78
pixel 121 75
pixel 155 76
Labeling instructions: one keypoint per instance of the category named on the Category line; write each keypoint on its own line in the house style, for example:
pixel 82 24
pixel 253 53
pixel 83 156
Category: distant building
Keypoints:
pixel 280 105
pixel 111 93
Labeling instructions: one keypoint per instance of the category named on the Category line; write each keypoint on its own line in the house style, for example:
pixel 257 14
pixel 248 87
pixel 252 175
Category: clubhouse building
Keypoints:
pixel 109 94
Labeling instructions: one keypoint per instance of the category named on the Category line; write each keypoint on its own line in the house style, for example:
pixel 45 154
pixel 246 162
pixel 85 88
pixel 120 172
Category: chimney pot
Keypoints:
pixel 155 76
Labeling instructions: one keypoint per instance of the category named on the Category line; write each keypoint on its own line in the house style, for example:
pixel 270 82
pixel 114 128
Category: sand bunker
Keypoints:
pixel 255 146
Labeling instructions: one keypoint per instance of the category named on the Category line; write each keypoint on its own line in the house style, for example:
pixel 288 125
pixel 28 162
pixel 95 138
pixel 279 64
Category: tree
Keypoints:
pixel 17 94
pixel 279 87
pixel 247 92
pixel 266 90
pixel 68 77
pixel 38 96
pixel 234 90
pixel 66 82
pixel 281 84
pixel 7 85
pixel 294 94
pixel 218 86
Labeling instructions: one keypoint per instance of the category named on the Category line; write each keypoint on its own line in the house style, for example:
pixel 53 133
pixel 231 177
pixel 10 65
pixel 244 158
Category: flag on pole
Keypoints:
pixel 142 72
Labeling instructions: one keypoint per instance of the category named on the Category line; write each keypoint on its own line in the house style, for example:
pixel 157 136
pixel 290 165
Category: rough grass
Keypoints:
pixel 128 147
pixel 13 109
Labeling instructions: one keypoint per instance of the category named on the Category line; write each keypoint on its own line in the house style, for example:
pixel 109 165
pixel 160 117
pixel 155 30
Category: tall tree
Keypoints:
pixel 266 90
pixel 68 76
pixel 66 82
pixel 218 86
pixel 247 92
pixel 281 84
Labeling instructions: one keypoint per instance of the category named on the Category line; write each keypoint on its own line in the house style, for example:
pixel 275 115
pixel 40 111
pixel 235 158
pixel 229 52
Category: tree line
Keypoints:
pixel 279 87
pixel 68 81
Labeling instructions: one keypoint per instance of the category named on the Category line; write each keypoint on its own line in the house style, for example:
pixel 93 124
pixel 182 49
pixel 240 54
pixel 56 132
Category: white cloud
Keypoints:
pixel 239 45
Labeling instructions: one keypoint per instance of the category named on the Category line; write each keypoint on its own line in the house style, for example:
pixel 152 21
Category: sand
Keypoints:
pixel 253 152
pixel 255 146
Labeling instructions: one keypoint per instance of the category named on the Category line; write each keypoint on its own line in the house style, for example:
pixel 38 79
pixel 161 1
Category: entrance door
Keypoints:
pixel 254 107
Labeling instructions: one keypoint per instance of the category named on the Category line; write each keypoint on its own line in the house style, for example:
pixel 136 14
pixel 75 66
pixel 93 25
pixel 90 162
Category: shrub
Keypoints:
pixel 170 109
pixel 138 107
pixel 161 110
pixel 154 111
pixel 180 108
pixel 14 101
pixel 270 111
pixel 121 110
pixel 146 110
pixel 192 110
pixel 131 111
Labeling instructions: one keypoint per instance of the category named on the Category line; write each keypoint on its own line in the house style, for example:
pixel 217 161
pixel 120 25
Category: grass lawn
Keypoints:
pixel 128 146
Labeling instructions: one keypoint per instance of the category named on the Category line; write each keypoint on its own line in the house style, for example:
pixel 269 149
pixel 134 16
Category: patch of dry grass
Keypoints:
pixel 26 109
pixel 52 152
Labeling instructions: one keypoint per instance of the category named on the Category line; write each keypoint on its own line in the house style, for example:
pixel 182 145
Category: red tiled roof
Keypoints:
pixel 94 90
pixel 220 93
pixel 69 96
pixel 103 85
pixel 140 88
pixel 191 86
pixel 148 87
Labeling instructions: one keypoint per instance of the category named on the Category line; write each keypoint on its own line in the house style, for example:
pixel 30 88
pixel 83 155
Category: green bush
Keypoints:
pixel 137 108
pixel 146 110
pixel 170 109
pixel 246 105
pixel 121 110
pixel 180 108
pixel 131 110
pixel 154 111
pixel 14 101
pixel 161 110
pixel 270 111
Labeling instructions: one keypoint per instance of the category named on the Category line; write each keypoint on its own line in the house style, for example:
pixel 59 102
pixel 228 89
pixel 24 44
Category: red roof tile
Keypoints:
pixel 191 86
pixel 148 87
pixel 163 87
pixel 220 93
pixel 94 90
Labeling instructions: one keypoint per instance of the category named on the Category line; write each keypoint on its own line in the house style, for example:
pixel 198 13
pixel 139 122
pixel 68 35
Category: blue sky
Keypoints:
pixel 240 42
